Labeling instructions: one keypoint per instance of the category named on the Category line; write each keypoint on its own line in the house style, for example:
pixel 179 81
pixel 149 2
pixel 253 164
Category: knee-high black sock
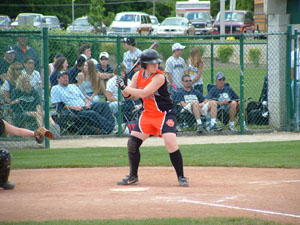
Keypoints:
pixel 134 161
pixel 177 162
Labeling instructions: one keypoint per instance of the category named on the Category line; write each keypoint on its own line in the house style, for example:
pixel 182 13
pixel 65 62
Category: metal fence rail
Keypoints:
pixel 251 67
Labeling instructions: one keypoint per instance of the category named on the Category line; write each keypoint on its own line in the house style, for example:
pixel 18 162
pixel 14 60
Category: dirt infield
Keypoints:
pixel 92 193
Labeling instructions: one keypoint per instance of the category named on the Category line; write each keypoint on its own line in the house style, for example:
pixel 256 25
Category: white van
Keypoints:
pixel 131 23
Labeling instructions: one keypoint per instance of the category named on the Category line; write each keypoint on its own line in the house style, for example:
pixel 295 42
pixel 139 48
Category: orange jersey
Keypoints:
pixel 158 102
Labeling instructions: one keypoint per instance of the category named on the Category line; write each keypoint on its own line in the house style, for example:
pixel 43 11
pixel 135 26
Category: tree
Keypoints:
pixel 95 15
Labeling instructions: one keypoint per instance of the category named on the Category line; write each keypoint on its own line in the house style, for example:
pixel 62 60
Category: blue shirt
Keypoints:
pixel 188 96
pixel 222 94
pixel 70 95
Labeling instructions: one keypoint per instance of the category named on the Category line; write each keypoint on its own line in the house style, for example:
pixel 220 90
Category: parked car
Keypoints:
pixel 4 21
pixel 82 24
pixel 202 21
pixel 155 24
pixel 131 23
pixel 28 19
pixel 52 22
pixel 236 22
pixel 176 26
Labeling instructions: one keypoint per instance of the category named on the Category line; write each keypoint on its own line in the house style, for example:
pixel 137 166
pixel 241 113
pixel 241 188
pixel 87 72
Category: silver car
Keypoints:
pixel 176 26
pixel 52 22
pixel 81 24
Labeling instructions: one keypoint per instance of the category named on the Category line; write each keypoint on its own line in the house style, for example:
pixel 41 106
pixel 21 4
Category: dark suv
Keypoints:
pixel 236 22
pixel 201 21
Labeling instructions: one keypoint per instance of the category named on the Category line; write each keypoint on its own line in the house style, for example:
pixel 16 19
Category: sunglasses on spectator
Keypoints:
pixel 187 80
pixel 103 58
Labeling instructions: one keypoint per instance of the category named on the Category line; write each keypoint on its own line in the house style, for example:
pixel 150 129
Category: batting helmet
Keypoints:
pixel 149 56
pixel 5 157
pixel 130 41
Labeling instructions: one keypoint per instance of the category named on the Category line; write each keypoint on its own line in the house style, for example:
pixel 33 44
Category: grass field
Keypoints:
pixel 266 154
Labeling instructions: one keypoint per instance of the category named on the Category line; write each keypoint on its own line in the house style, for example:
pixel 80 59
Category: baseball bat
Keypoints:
pixel 153 46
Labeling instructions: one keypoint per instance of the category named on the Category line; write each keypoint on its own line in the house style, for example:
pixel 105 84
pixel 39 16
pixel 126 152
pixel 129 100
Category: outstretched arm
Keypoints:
pixel 16 131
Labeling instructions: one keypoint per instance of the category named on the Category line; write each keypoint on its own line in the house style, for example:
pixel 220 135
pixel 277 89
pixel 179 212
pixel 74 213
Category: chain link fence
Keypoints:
pixel 37 90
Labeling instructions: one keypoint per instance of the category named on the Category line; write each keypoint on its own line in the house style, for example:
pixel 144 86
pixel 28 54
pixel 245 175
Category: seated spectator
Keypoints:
pixel 76 69
pixel 103 66
pixel 35 76
pixel 85 51
pixel 13 73
pixel 128 105
pixel 61 64
pixel 225 96
pixel 8 59
pixel 89 82
pixel 51 65
pixel 193 101
pixel 97 114
pixel 23 50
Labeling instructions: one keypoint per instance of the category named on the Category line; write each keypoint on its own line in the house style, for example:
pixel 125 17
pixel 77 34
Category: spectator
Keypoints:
pixel 98 113
pixel 13 73
pixel 193 101
pixel 61 64
pixel 35 77
pixel 51 65
pixel 89 82
pixel 295 74
pixel 103 66
pixel 226 97
pixel 85 51
pixel 8 59
pixel 195 69
pixel 23 50
pixel 76 69
pixel 112 95
pixel 131 53
pixel 175 67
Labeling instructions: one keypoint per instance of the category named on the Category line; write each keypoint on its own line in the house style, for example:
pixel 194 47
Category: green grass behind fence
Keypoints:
pixel 265 154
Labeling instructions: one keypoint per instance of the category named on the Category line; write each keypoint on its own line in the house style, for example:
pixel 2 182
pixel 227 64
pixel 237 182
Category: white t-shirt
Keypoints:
pixel 176 66
pixel 35 78
pixel 297 71
pixel 128 58
pixel 193 73
pixel 111 86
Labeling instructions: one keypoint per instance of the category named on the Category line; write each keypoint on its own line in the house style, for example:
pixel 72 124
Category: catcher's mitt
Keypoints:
pixel 41 133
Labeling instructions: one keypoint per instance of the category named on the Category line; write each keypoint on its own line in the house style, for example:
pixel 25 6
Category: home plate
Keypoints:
pixel 129 189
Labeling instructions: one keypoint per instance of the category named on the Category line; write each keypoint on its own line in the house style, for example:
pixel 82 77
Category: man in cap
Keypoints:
pixel 128 57
pixel 226 98
pixel 103 66
pixel 175 67
pixel 8 58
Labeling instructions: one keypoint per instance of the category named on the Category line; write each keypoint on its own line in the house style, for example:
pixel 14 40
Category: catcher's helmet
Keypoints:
pixel 5 157
pixel 129 41
pixel 149 56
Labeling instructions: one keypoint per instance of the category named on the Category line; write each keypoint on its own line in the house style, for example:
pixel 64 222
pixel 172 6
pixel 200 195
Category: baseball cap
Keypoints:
pixel 59 55
pixel 220 75
pixel 104 54
pixel 129 41
pixel 62 73
pixel 177 46
pixel 9 50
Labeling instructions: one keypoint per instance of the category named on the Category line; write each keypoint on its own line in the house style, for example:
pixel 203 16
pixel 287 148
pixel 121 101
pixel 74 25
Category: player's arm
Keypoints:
pixel 16 131
pixel 133 84
pixel 157 81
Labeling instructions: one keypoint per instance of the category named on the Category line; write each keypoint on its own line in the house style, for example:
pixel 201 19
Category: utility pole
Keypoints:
pixel 73 10
pixel 153 7
pixel 222 18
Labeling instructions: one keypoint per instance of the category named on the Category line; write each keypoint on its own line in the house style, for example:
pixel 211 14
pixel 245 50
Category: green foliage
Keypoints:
pixel 95 16
pixel 254 55
pixel 202 50
pixel 264 154
pixel 225 52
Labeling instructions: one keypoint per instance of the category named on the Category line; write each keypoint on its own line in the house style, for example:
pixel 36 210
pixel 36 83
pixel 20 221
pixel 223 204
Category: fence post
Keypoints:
pixel 119 91
pixel 46 81
pixel 242 84
pixel 212 63
pixel 289 110
pixel 295 94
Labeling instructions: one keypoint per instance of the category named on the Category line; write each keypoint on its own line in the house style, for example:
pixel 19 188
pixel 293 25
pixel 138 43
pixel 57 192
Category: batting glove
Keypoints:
pixel 120 83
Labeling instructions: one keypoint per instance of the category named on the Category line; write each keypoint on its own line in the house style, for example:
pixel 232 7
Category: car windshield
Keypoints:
pixel 51 20
pixel 126 18
pixel 81 22
pixel 232 16
pixel 2 19
pixel 199 15
pixel 36 18
pixel 154 21
pixel 173 22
